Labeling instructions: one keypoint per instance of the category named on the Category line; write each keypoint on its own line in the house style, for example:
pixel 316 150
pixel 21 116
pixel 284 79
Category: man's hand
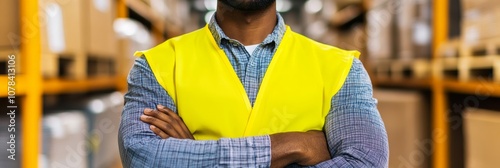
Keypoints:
pixel 304 148
pixel 165 123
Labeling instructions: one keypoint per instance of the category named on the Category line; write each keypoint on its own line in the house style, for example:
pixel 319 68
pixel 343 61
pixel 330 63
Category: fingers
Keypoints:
pixel 160 121
pixel 177 122
pixel 166 121
pixel 158 132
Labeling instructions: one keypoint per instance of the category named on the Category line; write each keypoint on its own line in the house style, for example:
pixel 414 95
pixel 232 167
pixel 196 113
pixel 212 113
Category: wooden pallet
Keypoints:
pixel 101 66
pixel 468 68
pixel 446 68
pixel 485 47
pixel 69 66
pixel 479 68
pixel 64 66
pixel 402 69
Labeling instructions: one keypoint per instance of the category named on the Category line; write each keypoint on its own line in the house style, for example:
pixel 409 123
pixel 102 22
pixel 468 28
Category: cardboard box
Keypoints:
pixel 479 24
pixel 482 141
pixel 404 115
pixel 62 38
pixel 379 33
pixel 9 31
pixel 413 29
pixel 475 4
pixel 53 12
pixel 102 41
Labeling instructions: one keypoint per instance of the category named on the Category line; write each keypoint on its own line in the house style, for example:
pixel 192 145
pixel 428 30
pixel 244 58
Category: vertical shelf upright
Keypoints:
pixel 122 12
pixel 440 128
pixel 32 101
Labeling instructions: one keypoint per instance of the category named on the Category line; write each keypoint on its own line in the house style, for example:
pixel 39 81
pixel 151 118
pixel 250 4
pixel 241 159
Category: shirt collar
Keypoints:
pixel 276 36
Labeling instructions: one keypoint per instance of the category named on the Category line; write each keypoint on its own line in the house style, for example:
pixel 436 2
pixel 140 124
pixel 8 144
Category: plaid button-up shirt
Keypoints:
pixel 355 132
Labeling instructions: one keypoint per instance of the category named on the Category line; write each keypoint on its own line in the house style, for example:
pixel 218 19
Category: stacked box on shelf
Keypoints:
pixel 482 141
pixel 380 20
pixel 398 39
pixel 480 20
pixel 413 32
pixel 78 39
pixel 62 33
pixel 480 45
pixel 406 121
pixel 404 21
pixel 9 11
pixel 476 54
pixel 9 33
pixel 378 34
pixel 102 43
pixel 480 35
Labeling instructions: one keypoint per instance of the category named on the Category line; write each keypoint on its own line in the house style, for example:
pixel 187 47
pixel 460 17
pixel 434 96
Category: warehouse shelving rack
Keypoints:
pixel 440 125
pixel 30 85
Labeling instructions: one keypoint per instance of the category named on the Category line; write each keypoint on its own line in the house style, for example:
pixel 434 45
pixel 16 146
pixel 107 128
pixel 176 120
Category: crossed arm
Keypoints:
pixel 355 135
pixel 308 148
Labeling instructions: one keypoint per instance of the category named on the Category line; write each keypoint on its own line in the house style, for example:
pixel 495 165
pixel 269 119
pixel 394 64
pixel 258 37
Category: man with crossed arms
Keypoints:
pixel 246 91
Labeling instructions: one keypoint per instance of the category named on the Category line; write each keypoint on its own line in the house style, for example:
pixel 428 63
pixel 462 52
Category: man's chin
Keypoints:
pixel 248 5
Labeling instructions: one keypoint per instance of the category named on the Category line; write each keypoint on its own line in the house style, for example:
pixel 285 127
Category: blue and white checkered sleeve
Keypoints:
pixel 140 147
pixel 355 132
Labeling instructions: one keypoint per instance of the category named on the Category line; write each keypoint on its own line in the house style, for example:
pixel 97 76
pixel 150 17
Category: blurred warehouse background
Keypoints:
pixel 434 64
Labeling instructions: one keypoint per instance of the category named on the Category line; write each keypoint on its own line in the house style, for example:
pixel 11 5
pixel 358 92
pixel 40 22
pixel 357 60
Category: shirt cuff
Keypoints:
pixel 253 152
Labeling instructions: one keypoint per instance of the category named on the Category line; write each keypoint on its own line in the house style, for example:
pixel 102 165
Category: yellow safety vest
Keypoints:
pixel 295 94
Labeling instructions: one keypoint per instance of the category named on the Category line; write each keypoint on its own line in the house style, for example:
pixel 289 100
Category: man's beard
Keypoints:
pixel 248 5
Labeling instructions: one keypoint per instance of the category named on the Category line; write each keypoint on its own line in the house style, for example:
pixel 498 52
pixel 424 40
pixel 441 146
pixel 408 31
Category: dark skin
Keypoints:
pixel 248 27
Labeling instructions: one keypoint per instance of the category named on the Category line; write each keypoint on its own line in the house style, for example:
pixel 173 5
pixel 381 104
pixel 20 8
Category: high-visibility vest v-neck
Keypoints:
pixel 295 94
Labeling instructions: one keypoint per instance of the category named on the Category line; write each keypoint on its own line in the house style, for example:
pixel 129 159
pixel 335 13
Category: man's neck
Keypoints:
pixel 247 27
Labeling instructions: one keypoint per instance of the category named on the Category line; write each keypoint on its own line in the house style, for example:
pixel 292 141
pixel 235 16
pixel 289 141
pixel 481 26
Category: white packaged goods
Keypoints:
pixel 66 141
pixel 105 112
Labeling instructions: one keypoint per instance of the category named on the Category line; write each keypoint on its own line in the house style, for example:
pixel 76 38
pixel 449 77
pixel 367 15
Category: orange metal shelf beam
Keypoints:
pixel 404 83
pixel 486 88
pixel 58 86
